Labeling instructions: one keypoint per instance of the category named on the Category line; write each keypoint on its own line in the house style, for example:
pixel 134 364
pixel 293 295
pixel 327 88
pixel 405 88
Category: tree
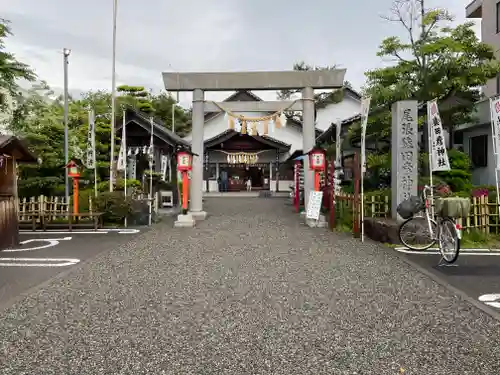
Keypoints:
pixel 11 70
pixel 434 61
pixel 321 100
pixel 135 97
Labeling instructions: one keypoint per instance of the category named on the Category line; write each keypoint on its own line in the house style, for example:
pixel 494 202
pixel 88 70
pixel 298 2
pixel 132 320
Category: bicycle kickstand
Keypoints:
pixel 442 263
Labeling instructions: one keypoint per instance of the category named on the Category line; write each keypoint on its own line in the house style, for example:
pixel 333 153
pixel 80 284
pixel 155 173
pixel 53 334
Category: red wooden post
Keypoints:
pixel 75 195
pixel 355 205
pixel 185 190
pixel 296 198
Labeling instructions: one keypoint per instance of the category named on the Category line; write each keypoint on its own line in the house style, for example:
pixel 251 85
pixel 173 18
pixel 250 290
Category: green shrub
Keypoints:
pixel 114 206
pixel 120 185
pixel 459 178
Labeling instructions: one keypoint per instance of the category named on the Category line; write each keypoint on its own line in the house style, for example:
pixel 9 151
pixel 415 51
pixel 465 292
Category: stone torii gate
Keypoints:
pixel 198 83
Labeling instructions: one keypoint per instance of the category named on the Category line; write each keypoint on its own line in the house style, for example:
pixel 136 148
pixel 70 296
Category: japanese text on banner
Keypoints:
pixel 439 155
pixel 365 109
pixel 495 124
pixel 407 154
pixel 91 142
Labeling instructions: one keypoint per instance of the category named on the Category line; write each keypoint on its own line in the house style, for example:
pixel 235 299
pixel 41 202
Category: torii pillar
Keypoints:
pixel 198 83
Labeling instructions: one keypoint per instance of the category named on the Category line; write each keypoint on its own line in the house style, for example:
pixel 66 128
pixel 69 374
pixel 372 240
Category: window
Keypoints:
pixel 498 17
pixel 478 151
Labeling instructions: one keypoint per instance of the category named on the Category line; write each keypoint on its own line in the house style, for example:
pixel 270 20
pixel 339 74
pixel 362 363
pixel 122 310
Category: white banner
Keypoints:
pixel 164 164
pixel 495 127
pixel 437 146
pixel 365 109
pixel 90 162
pixel 122 156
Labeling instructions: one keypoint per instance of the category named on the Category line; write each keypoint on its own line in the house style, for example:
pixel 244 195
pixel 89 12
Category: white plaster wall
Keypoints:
pixel 485 175
pixel 291 134
pixel 347 108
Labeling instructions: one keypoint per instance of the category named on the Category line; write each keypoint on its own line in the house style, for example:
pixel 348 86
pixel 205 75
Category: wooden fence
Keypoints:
pixel 483 217
pixel 35 205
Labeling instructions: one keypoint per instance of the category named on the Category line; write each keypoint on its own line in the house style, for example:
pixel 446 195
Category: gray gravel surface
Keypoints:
pixel 249 291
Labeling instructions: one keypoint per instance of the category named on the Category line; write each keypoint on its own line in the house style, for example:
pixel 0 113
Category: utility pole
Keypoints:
pixel 113 100
pixel 66 53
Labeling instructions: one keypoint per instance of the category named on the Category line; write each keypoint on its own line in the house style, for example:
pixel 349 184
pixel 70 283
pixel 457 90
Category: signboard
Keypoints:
pixel 439 155
pixel 314 205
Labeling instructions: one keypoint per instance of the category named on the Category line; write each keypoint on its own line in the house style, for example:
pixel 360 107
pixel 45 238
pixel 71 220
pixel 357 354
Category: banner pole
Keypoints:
pixel 429 141
pixel 494 133
pixel 125 154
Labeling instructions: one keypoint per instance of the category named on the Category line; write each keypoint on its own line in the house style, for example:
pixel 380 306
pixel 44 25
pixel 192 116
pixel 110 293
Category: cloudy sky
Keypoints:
pixel 198 35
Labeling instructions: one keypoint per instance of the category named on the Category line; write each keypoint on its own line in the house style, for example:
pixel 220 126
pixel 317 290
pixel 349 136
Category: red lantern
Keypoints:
pixel 184 161
pixel 73 169
pixel 317 160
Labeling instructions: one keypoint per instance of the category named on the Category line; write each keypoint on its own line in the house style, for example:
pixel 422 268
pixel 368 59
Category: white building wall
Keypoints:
pixel 291 134
pixel 484 175
pixel 347 108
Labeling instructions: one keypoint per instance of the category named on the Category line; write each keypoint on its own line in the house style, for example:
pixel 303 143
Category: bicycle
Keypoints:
pixel 427 231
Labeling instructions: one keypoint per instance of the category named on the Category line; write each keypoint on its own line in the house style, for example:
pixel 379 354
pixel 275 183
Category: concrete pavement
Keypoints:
pixel 251 290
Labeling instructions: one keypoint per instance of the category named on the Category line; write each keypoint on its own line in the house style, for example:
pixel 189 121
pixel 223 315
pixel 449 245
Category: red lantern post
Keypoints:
pixel 74 173
pixel 184 164
pixel 317 162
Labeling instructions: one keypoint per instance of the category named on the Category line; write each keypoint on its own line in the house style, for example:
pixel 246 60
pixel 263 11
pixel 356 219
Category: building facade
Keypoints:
pixel 232 158
pixel 476 139
pixel 488 11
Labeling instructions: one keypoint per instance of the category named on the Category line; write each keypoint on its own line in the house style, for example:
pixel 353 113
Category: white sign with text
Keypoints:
pixel 314 205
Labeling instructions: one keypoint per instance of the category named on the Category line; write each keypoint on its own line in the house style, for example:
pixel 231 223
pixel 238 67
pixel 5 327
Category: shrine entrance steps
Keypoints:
pixel 243 194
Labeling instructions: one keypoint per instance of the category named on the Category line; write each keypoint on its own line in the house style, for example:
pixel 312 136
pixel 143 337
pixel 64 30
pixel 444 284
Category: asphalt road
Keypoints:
pixel 476 275
pixel 39 265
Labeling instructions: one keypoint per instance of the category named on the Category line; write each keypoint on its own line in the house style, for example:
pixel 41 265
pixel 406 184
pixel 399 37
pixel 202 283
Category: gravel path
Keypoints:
pixel 249 291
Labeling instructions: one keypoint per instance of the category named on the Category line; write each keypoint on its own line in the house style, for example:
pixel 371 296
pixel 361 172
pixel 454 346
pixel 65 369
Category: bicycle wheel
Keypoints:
pixel 449 242
pixel 414 233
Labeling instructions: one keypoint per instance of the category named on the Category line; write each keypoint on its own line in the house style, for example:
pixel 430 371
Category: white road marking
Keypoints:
pixel 492 300
pixel 51 242
pixel 38 262
pixel 42 262
pixel 493 252
pixel 99 231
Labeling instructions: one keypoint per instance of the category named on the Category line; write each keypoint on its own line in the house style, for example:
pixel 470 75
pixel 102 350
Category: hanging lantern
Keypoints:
pixel 184 161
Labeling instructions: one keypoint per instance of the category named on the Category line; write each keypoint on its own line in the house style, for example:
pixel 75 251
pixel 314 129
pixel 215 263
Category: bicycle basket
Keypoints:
pixel 410 207
pixel 453 207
